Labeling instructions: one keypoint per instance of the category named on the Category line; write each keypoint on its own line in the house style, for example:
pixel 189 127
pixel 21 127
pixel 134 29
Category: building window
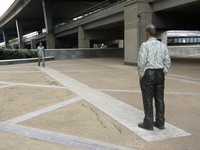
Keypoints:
pixel 195 40
pixel 179 40
pixel 175 40
pixel 191 40
pixel 187 40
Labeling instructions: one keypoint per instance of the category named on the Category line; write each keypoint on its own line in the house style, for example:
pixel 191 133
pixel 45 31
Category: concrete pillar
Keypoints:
pixel 137 16
pixel 48 15
pixel 19 33
pixel 21 45
pixel 164 37
pixel 5 38
pixel 33 44
pixel 50 41
pixel 83 40
pixel 121 44
pixel 13 46
pixel 48 19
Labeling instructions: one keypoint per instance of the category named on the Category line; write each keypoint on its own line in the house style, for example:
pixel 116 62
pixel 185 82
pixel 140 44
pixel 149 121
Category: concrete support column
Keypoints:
pixel 83 40
pixel 48 15
pixel 5 38
pixel 33 44
pixel 121 44
pixel 21 45
pixel 162 35
pixel 50 41
pixel 19 33
pixel 137 16
pixel 48 19
pixel 13 46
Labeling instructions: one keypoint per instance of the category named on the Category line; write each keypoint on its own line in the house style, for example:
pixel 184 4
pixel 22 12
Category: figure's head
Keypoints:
pixel 40 44
pixel 150 31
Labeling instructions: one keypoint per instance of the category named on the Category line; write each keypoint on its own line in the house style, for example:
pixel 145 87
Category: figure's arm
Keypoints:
pixel 167 61
pixel 142 59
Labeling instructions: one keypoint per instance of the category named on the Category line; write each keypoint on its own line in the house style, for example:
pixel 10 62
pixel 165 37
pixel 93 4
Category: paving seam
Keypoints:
pixel 43 111
pixel 118 110
pixel 5 86
pixel 33 85
pixel 18 72
pixel 71 71
pixel 183 79
pixel 137 91
pixel 58 138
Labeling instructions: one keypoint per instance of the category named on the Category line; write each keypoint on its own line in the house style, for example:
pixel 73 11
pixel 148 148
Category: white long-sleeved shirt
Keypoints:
pixel 153 54
pixel 41 50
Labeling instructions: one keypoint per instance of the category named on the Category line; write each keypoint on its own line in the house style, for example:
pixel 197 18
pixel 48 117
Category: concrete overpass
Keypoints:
pixel 96 21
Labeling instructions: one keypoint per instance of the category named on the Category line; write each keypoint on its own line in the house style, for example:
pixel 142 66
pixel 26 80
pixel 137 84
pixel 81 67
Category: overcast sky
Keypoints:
pixel 4 5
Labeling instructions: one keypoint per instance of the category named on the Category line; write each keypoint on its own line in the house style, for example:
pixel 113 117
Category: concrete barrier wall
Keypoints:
pixel 60 54
pixel 184 50
pixel 22 61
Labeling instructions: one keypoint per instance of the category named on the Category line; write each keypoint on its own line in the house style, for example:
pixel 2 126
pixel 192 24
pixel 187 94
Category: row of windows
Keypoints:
pixel 183 40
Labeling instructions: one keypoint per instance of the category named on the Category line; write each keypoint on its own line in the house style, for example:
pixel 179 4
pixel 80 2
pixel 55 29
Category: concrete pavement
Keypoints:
pixel 94 104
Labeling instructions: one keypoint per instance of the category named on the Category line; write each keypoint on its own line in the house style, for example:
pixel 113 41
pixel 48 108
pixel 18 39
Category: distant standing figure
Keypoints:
pixel 41 54
pixel 153 64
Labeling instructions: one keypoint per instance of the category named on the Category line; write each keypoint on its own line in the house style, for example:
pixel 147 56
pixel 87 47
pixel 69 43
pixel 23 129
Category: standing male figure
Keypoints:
pixel 153 64
pixel 41 54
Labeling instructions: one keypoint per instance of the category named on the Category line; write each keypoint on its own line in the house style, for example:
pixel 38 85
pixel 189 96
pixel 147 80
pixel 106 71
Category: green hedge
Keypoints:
pixel 16 54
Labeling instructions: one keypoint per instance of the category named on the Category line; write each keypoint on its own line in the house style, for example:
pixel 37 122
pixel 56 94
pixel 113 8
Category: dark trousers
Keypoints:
pixel 152 86
pixel 41 58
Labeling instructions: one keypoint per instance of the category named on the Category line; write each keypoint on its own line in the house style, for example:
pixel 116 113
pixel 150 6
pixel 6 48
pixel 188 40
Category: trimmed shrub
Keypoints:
pixel 17 54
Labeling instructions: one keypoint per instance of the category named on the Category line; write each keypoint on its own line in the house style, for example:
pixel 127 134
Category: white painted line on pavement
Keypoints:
pixel 5 86
pixel 17 72
pixel 86 71
pixel 32 85
pixel 43 111
pixel 119 90
pixel 137 91
pixel 118 110
pixel 183 79
pixel 58 138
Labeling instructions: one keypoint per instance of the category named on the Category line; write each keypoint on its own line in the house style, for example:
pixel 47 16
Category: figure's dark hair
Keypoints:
pixel 151 29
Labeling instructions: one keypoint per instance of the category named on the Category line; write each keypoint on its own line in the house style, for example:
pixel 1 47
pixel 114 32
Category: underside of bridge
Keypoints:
pixel 176 15
pixel 167 14
pixel 32 14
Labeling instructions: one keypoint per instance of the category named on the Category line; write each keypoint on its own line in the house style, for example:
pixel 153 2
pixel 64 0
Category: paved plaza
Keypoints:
pixel 94 104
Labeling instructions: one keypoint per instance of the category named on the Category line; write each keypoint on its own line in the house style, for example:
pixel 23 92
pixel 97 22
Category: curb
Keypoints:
pixel 21 61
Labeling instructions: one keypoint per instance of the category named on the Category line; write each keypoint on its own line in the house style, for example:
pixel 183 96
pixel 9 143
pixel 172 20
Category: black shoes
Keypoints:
pixel 161 127
pixel 143 126
pixel 42 65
